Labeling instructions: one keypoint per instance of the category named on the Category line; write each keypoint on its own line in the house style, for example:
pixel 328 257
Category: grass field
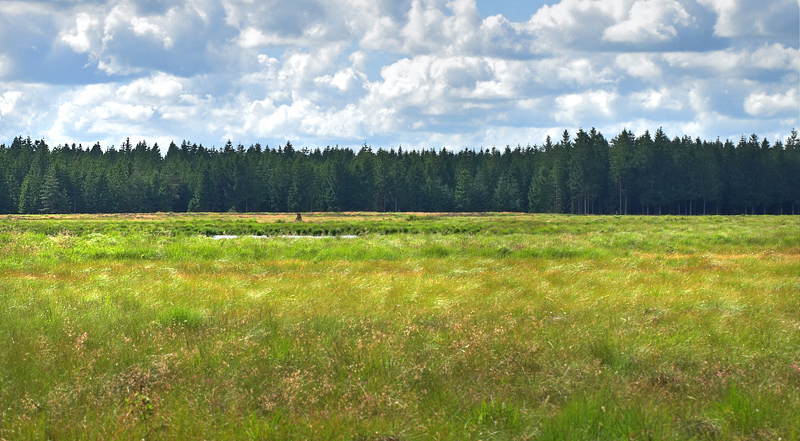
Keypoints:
pixel 423 327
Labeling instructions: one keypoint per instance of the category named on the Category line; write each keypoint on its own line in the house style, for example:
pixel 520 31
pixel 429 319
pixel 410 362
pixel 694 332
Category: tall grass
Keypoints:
pixel 558 328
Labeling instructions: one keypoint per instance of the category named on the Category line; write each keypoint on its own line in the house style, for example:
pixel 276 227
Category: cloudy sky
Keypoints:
pixel 416 73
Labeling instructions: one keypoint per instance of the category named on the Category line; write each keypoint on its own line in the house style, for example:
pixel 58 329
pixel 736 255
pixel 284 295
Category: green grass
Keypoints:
pixel 483 327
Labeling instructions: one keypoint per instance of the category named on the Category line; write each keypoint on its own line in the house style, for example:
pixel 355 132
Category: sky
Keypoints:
pixel 413 73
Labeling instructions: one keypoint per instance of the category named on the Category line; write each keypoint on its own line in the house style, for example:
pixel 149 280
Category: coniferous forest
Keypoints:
pixel 584 174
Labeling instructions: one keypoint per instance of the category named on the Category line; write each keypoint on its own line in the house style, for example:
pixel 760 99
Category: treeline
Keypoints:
pixel 587 174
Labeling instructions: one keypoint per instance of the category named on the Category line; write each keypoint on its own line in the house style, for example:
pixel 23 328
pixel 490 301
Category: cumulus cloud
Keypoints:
pixel 144 106
pixel 128 37
pixel 160 86
pixel 580 71
pixel 739 60
pixel 410 72
pixel 742 18
pixel 5 65
pixel 23 107
pixel 764 105
pixel 80 38
pixel 573 20
pixel 344 80
pixel 144 27
pixel 655 100
pixel 446 85
pixel 573 109
pixel 649 21
pixel 8 100
pixel 638 65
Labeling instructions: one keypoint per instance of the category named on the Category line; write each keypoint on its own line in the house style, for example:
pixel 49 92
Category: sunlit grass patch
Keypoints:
pixel 182 316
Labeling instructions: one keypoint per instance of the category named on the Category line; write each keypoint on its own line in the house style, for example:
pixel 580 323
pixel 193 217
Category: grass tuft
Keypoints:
pixel 183 316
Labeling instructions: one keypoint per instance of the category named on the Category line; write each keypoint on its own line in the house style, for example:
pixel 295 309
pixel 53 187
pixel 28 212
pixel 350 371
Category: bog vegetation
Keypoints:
pixel 425 326
pixel 585 174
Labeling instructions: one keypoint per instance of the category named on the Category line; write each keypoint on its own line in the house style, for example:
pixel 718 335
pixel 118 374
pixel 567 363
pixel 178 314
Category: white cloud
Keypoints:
pixel 358 60
pixel 740 18
pixel 143 27
pixel 300 23
pixel 268 61
pixel 441 85
pixel 23 107
pixel 159 86
pixel 145 106
pixel 654 100
pixel 135 113
pixel 775 57
pixel 580 71
pixel 765 105
pixel 80 39
pixel 736 61
pixel 343 80
pixel 575 108
pixel 8 100
pixel 6 65
pixel 252 37
pixel 649 21
pixel 130 36
pixel 638 65
pixel 382 35
pixel 573 21
pixel 416 72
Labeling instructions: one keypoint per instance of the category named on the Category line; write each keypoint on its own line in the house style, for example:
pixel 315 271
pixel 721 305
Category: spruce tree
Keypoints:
pixel 506 194
pixel 464 188
pixel 52 198
pixel 32 185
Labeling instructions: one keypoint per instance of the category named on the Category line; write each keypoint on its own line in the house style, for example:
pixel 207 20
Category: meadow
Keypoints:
pixel 425 326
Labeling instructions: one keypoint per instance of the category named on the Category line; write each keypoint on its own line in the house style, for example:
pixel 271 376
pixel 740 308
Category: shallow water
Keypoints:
pixel 231 236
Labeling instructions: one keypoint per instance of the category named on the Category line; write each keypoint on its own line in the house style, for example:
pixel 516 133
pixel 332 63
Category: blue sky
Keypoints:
pixel 416 73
